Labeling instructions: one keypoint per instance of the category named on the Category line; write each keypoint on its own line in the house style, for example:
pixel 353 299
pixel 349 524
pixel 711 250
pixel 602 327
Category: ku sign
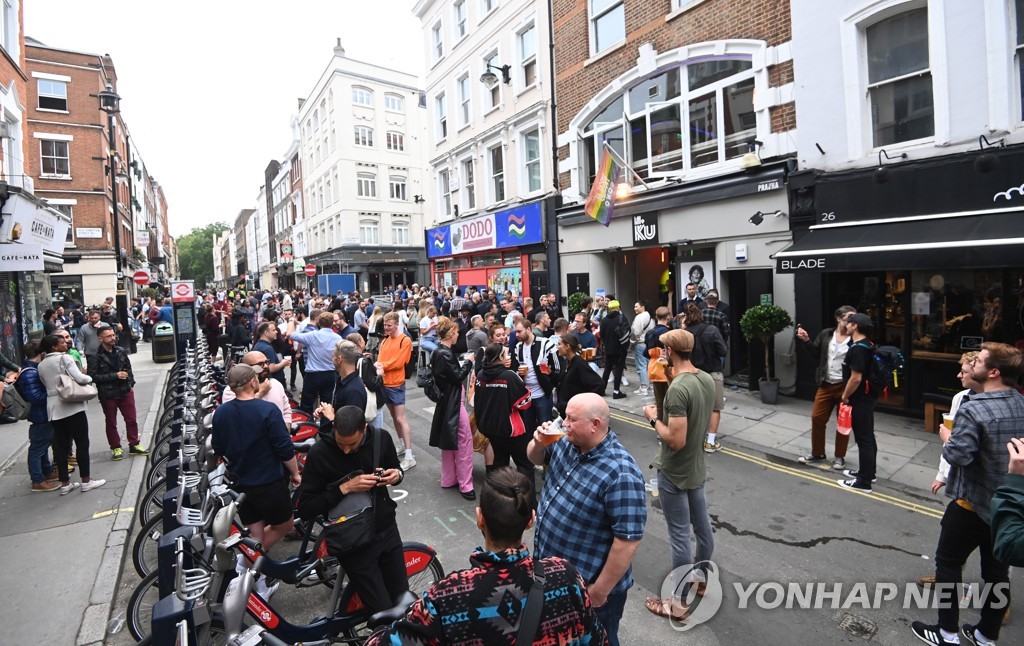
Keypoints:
pixel 645 229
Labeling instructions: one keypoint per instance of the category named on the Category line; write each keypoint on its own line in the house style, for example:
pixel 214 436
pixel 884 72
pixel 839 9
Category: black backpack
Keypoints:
pixel 887 366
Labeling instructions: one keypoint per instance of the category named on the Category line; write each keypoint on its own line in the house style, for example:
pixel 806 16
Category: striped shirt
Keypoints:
pixel 588 500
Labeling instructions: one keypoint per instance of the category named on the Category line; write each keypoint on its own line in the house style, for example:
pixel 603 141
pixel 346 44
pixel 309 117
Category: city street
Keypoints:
pixel 774 521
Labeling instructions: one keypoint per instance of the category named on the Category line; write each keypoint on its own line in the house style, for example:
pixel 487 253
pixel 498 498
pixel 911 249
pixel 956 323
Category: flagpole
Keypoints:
pixel 623 163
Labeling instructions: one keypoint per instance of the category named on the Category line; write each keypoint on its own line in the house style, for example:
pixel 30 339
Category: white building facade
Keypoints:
pixel 361 149
pixel 490 153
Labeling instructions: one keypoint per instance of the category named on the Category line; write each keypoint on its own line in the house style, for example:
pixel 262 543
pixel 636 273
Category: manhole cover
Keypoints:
pixel 858 626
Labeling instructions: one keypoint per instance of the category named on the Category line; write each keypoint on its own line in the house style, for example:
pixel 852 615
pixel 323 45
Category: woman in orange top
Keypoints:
pixel 395 352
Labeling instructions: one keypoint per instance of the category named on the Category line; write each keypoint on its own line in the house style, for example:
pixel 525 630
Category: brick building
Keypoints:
pixel 67 155
pixel 695 97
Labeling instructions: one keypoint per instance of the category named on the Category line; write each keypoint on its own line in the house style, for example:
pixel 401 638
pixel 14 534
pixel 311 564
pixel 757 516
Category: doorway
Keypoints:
pixel 746 288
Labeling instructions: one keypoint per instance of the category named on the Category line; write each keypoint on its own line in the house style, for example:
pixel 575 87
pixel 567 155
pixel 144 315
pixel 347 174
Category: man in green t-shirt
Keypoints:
pixel 680 462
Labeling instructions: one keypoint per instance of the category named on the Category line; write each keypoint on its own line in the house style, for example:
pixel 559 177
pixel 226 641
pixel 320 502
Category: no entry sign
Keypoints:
pixel 141 277
pixel 310 270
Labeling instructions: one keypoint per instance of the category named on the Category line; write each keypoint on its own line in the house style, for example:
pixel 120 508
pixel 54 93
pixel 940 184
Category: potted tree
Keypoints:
pixel 763 322
pixel 575 303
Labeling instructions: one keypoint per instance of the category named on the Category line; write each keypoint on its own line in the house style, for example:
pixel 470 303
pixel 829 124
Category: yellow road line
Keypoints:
pixel 809 474
pixel 109 512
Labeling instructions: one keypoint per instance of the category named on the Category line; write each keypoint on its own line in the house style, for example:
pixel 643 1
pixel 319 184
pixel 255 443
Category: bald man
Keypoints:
pixel 271 390
pixel 593 508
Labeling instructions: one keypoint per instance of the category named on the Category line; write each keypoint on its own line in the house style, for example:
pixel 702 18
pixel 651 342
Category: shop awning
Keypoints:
pixel 992 238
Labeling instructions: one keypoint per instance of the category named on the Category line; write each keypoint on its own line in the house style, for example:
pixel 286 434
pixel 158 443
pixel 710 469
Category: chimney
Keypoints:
pixel 339 50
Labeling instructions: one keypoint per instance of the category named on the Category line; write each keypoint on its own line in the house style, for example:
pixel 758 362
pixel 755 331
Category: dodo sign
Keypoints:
pixel 473 235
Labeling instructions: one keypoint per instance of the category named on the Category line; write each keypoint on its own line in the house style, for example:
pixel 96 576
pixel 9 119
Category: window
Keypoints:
pixel 444 183
pixel 464 100
pixel 497 158
pixel 486 7
pixel 438 41
pixel 53 95
pixel 66 210
pixel 494 93
pixel 442 116
pixel 337 185
pixel 362 96
pixel 329 194
pixel 9 33
pixel 460 18
pixel 698 115
pixel 363 136
pixel 366 185
pixel 397 186
pixel 396 141
pixel 528 56
pixel 394 103
pixel 531 160
pixel 1019 52
pixel 607 24
pixel 369 232
pixel 55 158
pixel 399 232
pixel 468 187
pixel 899 80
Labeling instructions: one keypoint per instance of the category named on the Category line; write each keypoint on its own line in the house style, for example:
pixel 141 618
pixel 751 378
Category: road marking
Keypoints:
pixel 803 472
pixel 446 527
pixel 110 512
pixel 467 516
pixel 398 494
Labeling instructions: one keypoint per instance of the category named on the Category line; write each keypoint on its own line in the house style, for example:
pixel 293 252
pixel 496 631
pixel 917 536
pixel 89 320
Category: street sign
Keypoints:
pixel 311 270
pixel 183 291
pixel 141 277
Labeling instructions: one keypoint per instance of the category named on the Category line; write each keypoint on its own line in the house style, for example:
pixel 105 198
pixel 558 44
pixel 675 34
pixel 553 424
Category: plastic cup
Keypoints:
pixel 947 421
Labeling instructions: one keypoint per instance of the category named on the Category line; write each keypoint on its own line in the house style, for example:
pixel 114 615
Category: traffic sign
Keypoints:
pixel 310 270
pixel 183 291
pixel 141 277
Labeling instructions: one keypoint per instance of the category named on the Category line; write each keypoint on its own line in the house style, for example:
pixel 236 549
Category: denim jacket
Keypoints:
pixel 32 389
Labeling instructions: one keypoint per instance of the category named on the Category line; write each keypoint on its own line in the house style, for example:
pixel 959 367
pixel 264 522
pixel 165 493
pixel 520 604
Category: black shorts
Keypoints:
pixel 270 503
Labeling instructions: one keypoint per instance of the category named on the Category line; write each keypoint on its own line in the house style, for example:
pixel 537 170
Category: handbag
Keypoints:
pixel 370 412
pixel 69 390
pixel 350 523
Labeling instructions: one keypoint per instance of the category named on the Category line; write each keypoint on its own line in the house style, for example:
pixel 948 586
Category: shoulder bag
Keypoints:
pixel 370 412
pixel 350 523
pixel 534 606
pixel 70 390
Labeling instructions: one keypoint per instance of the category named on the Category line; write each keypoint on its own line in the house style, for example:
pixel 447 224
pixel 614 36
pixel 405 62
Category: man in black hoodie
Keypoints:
pixel 615 338
pixel 342 466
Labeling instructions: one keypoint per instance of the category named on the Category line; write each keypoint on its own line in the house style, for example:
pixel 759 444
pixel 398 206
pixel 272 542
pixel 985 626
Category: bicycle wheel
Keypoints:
pixel 144 549
pixel 419 582
pixel 157 470
pixel 140 606
pixel 152 503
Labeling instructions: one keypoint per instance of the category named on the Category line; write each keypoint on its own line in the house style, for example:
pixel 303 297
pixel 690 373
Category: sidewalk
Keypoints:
pixel 63 554
pixel 907 455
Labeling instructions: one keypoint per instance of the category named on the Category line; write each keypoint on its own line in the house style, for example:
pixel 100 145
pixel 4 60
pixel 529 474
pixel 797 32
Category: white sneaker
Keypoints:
pixel 407 463
pixel 625 382
pixel 92 484
pixel 66 489
pixel 266 591
pixel 642 391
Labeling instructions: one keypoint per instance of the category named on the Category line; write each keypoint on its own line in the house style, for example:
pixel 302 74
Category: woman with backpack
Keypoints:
pixel 449 428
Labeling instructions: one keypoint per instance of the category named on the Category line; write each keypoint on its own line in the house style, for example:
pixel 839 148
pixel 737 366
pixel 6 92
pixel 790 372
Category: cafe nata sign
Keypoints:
pixel 21 257
pixel 29 222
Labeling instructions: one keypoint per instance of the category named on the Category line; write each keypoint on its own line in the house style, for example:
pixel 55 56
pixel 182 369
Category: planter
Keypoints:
pixel 769 389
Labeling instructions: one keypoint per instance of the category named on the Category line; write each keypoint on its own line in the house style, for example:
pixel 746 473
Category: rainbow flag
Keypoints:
pixel 601 201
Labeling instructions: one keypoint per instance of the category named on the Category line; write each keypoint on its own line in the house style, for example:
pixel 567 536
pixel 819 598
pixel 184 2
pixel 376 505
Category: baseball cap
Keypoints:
pixel 862 320
pixel 678 340
pixel 613 305
pixel 240 375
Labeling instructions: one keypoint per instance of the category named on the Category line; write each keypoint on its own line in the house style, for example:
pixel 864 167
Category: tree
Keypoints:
pixel 195 253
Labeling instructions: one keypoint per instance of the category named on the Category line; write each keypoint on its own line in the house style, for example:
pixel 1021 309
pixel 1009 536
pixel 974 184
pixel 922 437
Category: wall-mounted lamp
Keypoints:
pixel 882 173
pixel 418 199
pixel 759 217
pixel 622 190
pixel 987 161
pixel 752 159
pixel 490 79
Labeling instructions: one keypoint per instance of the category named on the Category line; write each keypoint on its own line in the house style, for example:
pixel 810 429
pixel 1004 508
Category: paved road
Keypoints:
pixel 774 521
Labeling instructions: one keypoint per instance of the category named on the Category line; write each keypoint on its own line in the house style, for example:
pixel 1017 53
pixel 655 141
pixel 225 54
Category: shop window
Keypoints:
pixel 487 260
pixel 512 260
pixel 37 298
pixel 899 78
pixel 953 311
pixel 645 126
pixel 53 95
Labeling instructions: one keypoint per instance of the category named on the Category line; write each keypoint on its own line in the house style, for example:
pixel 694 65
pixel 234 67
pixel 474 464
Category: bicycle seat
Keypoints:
pixel 386 617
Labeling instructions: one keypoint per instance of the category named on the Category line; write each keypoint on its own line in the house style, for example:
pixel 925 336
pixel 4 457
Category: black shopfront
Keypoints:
pixel 933 252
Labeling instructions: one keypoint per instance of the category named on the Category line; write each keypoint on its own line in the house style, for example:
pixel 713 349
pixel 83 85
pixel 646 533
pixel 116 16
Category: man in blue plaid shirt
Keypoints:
pixel 592 509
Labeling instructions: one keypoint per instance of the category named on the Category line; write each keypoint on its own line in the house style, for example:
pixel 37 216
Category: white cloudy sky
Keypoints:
pixel 208 87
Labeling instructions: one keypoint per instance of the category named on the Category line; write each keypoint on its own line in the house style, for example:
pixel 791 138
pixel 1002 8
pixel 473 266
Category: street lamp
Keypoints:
pixel 110 102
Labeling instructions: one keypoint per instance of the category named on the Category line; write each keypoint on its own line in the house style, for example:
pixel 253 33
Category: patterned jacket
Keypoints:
pixel 485 605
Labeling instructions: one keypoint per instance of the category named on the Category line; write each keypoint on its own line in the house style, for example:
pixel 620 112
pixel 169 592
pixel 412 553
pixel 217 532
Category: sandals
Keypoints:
pixel 663 609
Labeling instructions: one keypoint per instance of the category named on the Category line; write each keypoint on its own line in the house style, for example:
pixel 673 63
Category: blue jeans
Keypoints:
pixel 682 508
pixel 610 614
pixel 641 364
pixel 317 386
pixel 542 411
pixel 39 438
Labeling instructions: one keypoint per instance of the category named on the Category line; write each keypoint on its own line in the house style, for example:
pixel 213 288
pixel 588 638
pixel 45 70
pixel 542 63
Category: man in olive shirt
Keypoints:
pixel 680 462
